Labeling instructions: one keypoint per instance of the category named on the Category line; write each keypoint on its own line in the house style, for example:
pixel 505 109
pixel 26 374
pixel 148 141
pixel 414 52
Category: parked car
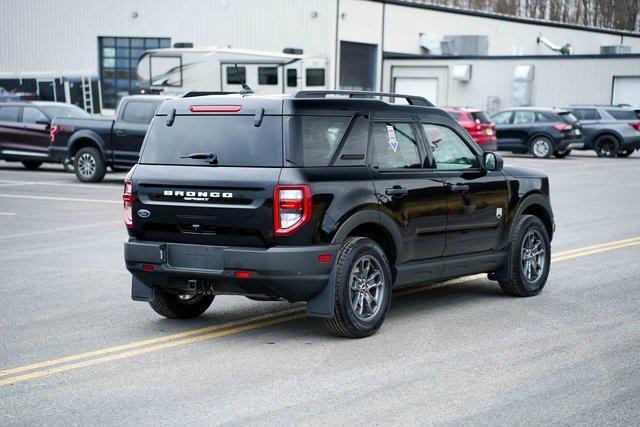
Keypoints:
pixel 330 200
pixel 541 132
pixel 93 144
pixel 477 124
pixel 25 130
pixel 609 131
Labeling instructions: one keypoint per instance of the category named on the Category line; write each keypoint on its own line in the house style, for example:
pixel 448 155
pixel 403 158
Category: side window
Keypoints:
pixel 9 113
pixel 139 112
pixel 395 146
pixel 33 115
pixel 450 152
pixel 523 117
pixel 315 76
pixel 502 118
pixel 320 137
pixel 268 75
pixel 542 118
pixel 354 150
pixel 236 77
pixel 292 77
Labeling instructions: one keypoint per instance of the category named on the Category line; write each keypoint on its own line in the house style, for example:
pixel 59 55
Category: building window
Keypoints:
pixel 315 76
pixel 357 66
pixel 292 77
pixel 118 60
pixel 236 76
pixel 267 75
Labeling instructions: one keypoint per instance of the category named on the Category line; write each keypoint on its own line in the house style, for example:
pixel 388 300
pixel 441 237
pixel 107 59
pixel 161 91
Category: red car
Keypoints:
pixel 477 124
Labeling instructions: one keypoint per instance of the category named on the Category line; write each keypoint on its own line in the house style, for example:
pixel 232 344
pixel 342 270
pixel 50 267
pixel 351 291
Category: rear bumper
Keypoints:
pixel 569 144
pixel 631 143
pixel 290 272
pixel 58 154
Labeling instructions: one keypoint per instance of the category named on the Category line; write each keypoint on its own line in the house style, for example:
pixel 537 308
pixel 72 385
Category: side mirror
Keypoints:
pixel 493 161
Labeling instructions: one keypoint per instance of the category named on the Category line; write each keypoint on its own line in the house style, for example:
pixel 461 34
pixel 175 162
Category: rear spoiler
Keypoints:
pixel 205 93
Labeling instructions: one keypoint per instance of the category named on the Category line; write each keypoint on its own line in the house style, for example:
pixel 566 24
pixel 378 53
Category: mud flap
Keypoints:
pixel 504 272
pixel 140 291
pixel 322 304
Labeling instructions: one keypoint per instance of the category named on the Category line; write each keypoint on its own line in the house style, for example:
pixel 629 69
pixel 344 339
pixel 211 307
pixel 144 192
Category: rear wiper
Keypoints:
pixel 210 157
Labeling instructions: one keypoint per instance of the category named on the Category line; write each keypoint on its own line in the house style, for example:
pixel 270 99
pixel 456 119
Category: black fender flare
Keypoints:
pixel 376 217
pixel 527 201
pixel 90 135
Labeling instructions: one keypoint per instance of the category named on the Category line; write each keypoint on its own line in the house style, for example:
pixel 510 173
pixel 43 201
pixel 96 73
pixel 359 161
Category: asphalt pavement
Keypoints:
pixel 75 350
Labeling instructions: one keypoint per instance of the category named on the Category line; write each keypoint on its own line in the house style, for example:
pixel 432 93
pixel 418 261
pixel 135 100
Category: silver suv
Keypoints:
pixel 609 130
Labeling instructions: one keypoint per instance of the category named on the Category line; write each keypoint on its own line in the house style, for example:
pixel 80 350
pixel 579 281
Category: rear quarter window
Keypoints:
pixel 480 117
pixel 623 114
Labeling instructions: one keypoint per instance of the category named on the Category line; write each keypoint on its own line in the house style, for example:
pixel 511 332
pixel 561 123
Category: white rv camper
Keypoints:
pixel 176 71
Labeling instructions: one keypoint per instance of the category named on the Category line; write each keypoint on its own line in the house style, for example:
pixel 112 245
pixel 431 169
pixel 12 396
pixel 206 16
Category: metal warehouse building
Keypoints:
pixel 62 49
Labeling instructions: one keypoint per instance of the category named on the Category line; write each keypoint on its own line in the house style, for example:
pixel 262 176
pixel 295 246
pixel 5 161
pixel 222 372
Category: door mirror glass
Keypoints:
pixel 493 161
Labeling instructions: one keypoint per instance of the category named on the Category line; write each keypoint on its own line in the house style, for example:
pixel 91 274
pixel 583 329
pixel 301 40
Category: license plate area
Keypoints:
pixel 195 257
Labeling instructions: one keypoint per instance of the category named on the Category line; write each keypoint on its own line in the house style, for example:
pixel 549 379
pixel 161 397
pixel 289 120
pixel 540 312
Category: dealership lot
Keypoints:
pixel 76 348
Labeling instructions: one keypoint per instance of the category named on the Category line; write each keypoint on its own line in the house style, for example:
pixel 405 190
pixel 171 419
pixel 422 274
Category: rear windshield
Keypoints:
pixel 623 114
pixel 234 140
pixel 568 117
pixel 480 117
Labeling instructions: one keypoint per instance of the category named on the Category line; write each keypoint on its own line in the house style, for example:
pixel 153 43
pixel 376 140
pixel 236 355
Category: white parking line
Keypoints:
pixel 8 213
pixel 57 230
pixel 59 199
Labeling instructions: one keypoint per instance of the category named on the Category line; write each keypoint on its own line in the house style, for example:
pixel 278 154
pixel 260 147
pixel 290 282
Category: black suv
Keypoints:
pixel 538 131
pixel 332 197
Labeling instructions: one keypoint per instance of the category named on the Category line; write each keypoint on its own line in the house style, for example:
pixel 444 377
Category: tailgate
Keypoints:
pixel 227 206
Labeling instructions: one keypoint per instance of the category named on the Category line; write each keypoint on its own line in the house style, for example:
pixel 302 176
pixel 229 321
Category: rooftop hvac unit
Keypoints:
pixel 469 45
pixel 617 49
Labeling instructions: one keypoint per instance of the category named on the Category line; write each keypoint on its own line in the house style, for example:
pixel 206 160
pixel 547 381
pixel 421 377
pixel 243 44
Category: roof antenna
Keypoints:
pixel 246 90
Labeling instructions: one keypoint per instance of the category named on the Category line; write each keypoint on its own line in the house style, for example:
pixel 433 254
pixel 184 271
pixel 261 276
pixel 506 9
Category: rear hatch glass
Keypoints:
pixel 623 114
pixel 480 117
pixel 233 140
pixel 568 117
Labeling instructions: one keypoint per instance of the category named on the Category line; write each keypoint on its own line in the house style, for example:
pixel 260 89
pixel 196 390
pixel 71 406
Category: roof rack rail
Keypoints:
pixel 411 99
pixel 205 93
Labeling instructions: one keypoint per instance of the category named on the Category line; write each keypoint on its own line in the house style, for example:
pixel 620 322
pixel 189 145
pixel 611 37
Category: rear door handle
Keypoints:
pixel 459 188
pixel 396 191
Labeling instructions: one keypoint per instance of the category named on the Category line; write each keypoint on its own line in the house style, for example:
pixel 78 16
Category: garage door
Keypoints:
pixel 626 90
pixel 426 87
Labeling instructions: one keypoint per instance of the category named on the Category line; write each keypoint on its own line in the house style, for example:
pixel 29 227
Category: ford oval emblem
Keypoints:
pixel 143 213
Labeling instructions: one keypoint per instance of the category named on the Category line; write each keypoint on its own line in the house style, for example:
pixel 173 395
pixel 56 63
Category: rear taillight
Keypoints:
pixel 635 125
pixel 562 126
pixel 53 130
pixel 127 198
pixel 291 208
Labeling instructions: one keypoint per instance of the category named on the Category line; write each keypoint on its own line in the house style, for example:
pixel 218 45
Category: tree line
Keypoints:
pixel 615 14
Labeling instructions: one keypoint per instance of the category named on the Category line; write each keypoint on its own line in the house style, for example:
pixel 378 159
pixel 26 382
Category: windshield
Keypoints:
pixel 67 112
pixel 232 140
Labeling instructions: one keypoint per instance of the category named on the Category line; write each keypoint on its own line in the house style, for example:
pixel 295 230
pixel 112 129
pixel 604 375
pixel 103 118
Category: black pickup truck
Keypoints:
pixel 93 144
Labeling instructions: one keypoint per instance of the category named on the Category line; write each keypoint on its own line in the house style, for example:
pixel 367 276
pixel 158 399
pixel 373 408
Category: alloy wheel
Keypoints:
pixel 541 148
pixel 366 287
pixel 532 256
pixel 86 165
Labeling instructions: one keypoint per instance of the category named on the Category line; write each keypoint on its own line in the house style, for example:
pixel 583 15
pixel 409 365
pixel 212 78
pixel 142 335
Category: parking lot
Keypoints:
pixel 75 348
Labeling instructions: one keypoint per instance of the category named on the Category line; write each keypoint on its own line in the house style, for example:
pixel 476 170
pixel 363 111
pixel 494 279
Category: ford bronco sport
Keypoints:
pixel 330 197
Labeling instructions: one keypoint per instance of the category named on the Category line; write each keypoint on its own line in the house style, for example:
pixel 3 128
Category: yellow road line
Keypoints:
pixel 216 331
pixel 150 341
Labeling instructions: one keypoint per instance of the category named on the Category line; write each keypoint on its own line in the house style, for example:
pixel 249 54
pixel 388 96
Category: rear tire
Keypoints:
pixel 606 146
pixel 173 306
pixel 529 237
pixel 541 147
pixel 562 154
pixel 31 164
pixel 362 289
pixel 89 165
